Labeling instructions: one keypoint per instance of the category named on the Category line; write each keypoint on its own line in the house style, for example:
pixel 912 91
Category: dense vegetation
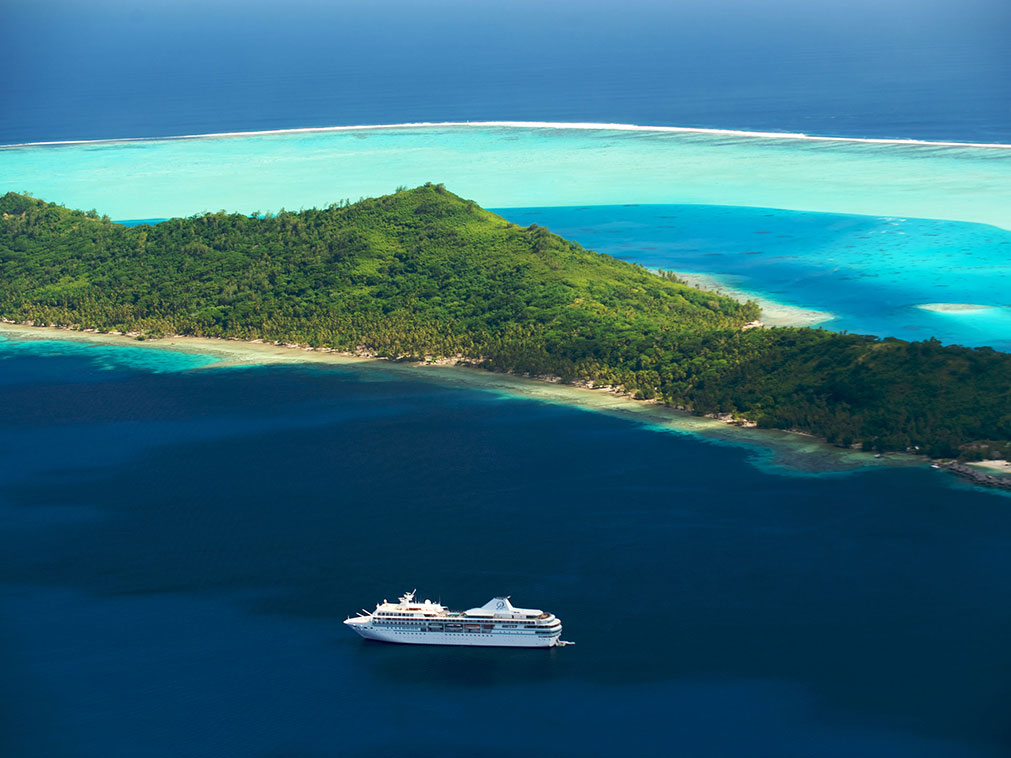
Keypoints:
pixel 425 273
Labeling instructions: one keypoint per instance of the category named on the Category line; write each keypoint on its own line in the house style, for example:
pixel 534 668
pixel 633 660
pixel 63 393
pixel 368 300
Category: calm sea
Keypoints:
pixel 926 69
pixel 181 544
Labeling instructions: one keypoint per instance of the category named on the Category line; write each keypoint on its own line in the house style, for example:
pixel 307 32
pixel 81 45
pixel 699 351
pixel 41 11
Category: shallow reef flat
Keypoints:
pixel 519 165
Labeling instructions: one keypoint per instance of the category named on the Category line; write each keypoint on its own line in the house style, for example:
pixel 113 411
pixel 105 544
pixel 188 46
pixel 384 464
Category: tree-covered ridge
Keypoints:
pixel 423 256
pixel 424 272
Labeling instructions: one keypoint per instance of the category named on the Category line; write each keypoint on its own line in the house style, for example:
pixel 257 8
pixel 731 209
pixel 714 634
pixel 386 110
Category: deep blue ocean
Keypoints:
pixel 924 69
pixel 181 542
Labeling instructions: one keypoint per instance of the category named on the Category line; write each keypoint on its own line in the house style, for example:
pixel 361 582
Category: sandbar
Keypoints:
pixel 953 307
pixel 773 313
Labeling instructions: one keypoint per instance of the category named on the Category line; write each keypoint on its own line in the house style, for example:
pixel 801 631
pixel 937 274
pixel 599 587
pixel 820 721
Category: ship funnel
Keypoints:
pixel 498 605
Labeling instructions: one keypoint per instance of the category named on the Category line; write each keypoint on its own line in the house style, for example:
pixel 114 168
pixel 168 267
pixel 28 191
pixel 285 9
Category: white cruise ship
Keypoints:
pixel 497 623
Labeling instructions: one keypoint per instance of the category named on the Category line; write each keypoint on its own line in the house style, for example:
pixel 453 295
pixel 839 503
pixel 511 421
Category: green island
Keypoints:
pixel 423 274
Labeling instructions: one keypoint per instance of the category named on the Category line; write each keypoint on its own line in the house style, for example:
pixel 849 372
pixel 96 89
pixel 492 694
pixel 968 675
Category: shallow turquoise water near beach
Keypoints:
pixel 181 545
pixel 18 357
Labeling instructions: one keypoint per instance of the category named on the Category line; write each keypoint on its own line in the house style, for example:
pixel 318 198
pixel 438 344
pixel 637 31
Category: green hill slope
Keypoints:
pixel 424 272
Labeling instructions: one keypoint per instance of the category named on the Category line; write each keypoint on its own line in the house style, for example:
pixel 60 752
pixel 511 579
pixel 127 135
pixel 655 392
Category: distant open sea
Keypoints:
pixel 921 69
pixel 181 541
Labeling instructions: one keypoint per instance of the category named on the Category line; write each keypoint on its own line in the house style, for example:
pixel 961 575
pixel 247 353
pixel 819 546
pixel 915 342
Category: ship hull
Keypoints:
pixel 469 639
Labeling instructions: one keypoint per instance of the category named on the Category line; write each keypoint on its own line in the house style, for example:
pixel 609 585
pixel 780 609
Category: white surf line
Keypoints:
pixel 585 126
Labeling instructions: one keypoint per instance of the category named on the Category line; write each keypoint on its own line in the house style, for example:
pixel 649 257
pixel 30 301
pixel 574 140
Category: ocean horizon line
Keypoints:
pixel 561 125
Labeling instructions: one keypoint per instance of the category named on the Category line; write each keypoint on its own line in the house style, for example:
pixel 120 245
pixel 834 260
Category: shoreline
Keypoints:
pixel 580 125
pixel 784 452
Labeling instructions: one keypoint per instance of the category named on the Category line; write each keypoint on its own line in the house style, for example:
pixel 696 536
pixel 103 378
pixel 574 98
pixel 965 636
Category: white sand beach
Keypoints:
pixel 994 466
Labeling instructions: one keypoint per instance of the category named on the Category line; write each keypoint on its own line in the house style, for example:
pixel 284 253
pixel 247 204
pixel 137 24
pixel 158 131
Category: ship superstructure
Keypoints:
pixel 497 623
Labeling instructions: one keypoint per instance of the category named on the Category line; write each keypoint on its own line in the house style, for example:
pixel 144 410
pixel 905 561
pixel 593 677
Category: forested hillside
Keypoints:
pixel 423 272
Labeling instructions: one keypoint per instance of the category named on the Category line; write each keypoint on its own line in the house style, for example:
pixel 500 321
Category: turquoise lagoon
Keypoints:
pixel 869 275
pixel 868 231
